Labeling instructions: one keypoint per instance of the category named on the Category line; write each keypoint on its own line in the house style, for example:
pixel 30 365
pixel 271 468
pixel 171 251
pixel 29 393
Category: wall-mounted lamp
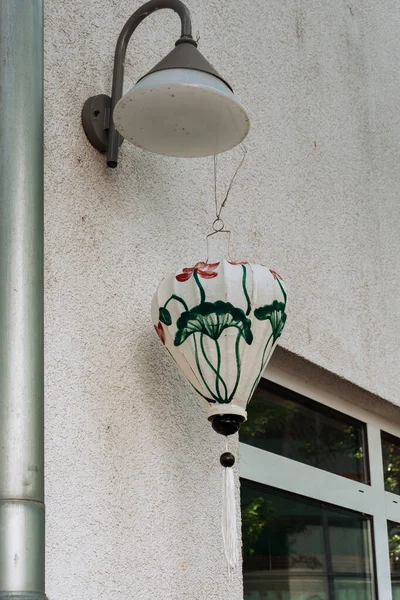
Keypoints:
pixel 182 107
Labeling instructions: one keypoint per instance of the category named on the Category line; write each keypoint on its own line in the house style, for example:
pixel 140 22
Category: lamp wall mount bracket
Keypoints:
pixel 96 120
pixel 97 112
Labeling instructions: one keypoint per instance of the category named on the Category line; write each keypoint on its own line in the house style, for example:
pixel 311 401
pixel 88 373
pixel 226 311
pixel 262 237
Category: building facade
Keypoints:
pixel 133 483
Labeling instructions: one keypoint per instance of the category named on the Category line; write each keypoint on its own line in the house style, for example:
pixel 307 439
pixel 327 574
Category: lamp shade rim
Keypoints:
pixel 195 69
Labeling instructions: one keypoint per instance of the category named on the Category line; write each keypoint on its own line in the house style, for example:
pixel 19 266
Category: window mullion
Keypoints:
pixel 328 553
pixel 380 516
pixel 291 476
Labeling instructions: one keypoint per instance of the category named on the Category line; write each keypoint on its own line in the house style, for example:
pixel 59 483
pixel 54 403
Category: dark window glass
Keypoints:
pixel 391 462
pixel 300 549
pixel 394 553
pixel 296 427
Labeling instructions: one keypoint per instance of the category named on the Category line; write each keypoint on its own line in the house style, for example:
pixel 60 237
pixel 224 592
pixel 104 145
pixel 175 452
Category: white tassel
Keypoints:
pixel 229 526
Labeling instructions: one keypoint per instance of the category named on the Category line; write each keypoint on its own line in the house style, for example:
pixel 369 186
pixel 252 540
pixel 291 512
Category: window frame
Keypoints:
pixel 291 476
pixel 323 410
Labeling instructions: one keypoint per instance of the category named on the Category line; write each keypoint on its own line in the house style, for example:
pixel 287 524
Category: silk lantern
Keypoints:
pixel 220 322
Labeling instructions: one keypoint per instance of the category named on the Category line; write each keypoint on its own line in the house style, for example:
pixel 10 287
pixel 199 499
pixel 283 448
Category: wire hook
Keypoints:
pixel 218 225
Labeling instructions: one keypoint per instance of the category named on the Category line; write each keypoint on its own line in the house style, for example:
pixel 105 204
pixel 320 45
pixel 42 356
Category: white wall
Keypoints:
pixel 133 482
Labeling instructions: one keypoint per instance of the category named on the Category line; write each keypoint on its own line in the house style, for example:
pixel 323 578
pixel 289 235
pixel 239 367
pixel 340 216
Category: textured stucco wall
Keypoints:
pixel 133 484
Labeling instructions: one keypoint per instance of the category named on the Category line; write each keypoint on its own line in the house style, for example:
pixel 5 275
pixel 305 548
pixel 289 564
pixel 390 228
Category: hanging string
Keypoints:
pixel 218 224
pixel 229 524
pixel 215 187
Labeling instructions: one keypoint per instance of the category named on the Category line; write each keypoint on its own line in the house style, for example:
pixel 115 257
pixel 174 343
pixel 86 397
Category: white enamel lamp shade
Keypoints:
pixel 181 112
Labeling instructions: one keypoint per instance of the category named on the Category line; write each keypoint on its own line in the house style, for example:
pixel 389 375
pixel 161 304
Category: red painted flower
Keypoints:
pixel 241 262
pixel 205 270
pixel 275 274
pixel 160 332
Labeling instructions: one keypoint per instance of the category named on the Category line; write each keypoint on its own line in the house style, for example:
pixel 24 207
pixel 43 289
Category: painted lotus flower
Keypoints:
pixel 160 332
pixel 275 274
pixel 203 269
pixel 211 319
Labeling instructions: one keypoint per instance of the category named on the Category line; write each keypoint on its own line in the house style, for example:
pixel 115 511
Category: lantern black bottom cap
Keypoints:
pixel 226 424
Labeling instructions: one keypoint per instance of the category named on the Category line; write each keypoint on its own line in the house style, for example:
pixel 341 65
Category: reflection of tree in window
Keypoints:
pixel 302 547
pixel 257 513
pixel 394 553
pixel 394 548
pixel 288 424
pixel 258 517
pixel 391 462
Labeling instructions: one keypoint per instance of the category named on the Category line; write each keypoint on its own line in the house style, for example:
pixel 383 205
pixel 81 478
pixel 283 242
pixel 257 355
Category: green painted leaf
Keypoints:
pixel 247 334
pixel 211 318
pixel 180 337
pixel 275 314
pixel 264 312
pixel 165 316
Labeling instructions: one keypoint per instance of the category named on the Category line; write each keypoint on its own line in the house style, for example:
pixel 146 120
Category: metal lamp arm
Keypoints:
pixel 114 138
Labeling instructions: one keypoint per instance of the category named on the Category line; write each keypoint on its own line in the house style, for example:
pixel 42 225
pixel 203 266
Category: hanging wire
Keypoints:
pixel 218 224
pixel 218 212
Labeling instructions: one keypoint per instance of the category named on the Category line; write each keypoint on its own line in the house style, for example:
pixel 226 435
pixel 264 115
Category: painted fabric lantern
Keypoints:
pixel 221 322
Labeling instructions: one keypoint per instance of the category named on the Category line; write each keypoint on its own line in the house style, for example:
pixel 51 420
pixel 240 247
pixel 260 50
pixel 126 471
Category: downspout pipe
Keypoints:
pixel 22 541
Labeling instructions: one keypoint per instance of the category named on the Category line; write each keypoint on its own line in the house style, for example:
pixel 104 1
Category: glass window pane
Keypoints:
pixel 349 542
pixel 300 549
pixel 353 590
pixel 296 427
pixel 394 553
pixel 391 462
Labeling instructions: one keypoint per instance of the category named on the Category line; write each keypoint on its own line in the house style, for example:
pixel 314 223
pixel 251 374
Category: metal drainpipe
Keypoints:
pixel 21 301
